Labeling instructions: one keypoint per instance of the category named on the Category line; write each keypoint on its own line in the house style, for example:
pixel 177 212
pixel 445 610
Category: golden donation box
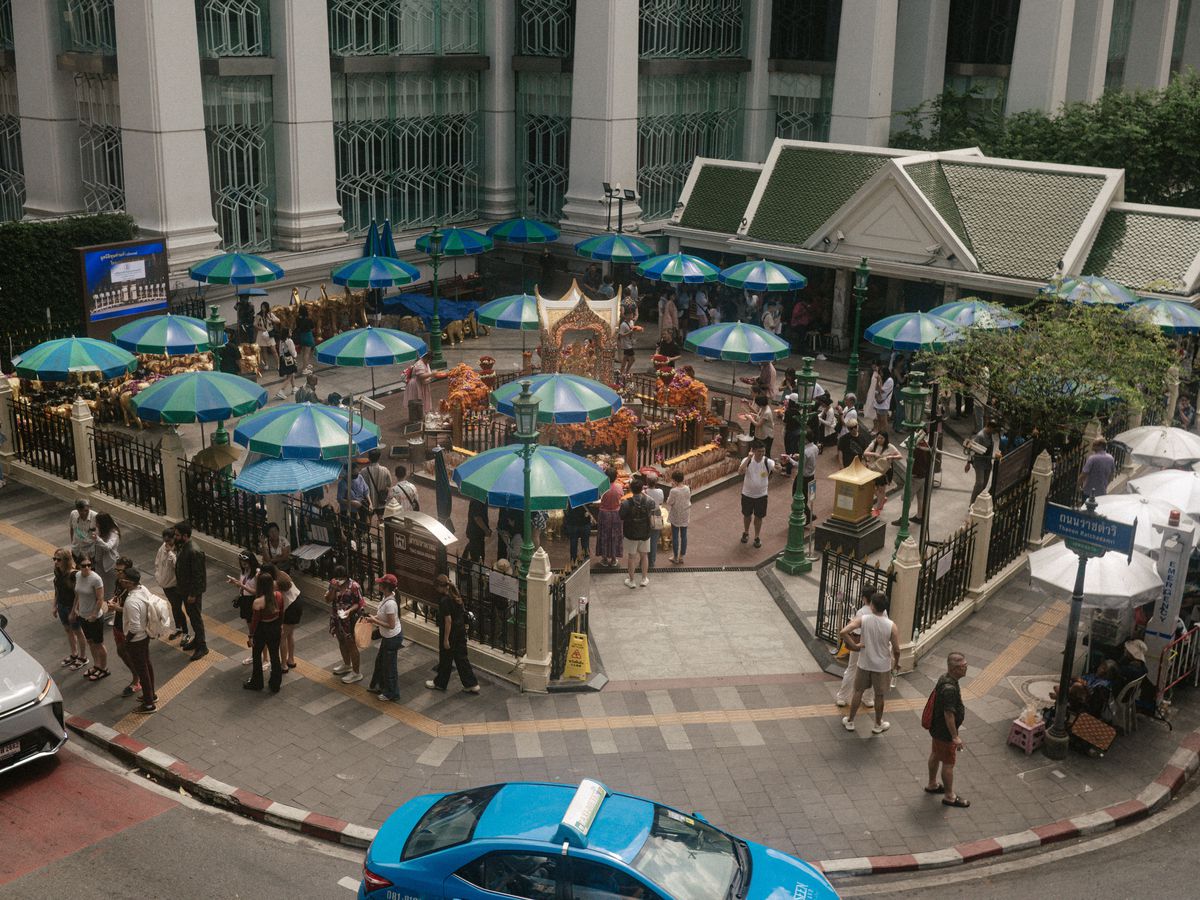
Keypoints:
pixel 853 492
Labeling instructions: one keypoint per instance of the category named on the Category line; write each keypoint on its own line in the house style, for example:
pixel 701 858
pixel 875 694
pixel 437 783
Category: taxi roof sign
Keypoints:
pixel 581 812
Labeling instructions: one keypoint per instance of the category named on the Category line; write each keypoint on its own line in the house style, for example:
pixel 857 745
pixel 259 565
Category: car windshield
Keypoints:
pixel 688 858
pixel 5 644
pixel 450 821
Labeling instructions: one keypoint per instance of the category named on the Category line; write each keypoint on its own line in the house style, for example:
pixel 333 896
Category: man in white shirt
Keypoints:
pixel 135 614
pixel 755 469
pixel 405 491
pixel 82 525
pixel 878 637
pixel 846 688
pixel 655 493
pixel 164 574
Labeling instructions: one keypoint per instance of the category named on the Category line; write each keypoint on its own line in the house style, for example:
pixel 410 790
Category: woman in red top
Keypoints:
pixel 346 605
pixel 609 541
pixel 266 618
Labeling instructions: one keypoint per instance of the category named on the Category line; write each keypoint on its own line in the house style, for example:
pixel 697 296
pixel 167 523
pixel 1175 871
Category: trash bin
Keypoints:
pixel 416 453
pixel 416 411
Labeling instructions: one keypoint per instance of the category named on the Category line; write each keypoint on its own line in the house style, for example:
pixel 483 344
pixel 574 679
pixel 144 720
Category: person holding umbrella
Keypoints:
pixel 452 640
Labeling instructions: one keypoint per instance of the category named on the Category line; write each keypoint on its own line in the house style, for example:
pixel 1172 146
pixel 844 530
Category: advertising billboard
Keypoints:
pixel 124 279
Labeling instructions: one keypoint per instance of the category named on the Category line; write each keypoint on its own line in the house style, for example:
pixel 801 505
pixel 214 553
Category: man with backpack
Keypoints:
pixel 635 527
pixel 755 469
pixel 379 480
pixel 943 716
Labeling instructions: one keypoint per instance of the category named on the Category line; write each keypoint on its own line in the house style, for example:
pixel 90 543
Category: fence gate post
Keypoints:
pixel 1134 421
pixel 1043 473
pixel 1172 394
pixel 273 503
pixel 85 462
pixel 171 452
pixel 981 516
pixel 907 568
pixel 535 664
pixel 8 450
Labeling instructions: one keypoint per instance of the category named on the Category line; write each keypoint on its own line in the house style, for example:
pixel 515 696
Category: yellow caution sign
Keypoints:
pixel 578 665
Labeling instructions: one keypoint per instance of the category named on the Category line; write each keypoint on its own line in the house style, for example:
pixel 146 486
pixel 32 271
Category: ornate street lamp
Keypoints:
pixel 795 560
pixel 862 275
pixel 914 396
pixel 215 326
pixel 525 411
pixel 435 323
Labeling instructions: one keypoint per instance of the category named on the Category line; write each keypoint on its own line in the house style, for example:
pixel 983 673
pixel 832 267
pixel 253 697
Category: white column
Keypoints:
pixel 82 423
pixel 162 126
pixel 604 111
pixel 1041 56
pixel 1151 35
pixel 907 568
pixel 919 73
pixel 9 448
pixel 535 664
pixel 1043 474
pixel 498 192
pixel 1191 40
pixel 981 515
pixel 171 452
pixel 862 83
pixel 759 128
pixel 307 213
pixel 840 308
pixel 1090 34
pixel 49 116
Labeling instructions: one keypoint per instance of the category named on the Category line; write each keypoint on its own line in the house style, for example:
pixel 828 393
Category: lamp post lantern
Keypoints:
pixel 215 326
pixel 914 396
pixel 435 323
pixel 525 411
pixel 795 560
pixel 862 276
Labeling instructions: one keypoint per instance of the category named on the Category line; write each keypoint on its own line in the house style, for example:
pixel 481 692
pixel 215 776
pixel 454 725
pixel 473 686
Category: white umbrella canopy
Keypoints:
pixel 1111 582
pixel 1148 513
pixel 1179 487
pixel 1161 445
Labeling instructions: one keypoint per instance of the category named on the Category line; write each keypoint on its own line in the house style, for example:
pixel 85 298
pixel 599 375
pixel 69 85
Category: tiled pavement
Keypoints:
pixel 758 749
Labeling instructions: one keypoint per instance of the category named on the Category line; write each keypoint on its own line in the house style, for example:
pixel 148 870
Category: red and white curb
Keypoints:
pixel 1179 768
pixel 172 771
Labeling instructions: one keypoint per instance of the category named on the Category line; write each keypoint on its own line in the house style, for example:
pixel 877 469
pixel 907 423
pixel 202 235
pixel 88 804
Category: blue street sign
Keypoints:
pixel 1087 532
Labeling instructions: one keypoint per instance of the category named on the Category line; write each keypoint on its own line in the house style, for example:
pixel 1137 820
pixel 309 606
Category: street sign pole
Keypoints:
pixel 1057 738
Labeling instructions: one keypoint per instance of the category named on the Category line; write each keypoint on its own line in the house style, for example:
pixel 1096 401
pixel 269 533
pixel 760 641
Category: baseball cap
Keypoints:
pixel 389 580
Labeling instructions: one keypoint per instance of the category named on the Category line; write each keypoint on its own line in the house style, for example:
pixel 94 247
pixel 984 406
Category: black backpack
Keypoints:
pixel 639 516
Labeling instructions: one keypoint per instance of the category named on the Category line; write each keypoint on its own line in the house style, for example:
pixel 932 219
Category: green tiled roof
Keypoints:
pixel 931 181
pixel 719 198
pixel 1138 249
pixel 806 187
pixel 1020 221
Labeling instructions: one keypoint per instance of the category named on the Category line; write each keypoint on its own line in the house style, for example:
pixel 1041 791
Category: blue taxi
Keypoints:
pixel 559 842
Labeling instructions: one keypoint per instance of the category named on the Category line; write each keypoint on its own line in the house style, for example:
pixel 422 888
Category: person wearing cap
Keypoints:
pixel 385 678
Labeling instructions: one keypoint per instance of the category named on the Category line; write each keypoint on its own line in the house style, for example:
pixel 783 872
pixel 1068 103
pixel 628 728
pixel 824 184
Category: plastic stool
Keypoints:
pixel 1027 737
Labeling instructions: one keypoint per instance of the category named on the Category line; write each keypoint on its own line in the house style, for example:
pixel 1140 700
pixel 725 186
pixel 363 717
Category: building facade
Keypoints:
pixel 286 126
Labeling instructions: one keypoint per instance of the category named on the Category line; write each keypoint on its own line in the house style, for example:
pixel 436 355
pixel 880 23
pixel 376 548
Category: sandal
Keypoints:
pixel 65 661
pixel 130 689
pixel 97 674
pixel 80 662
pixel 940 789
pixel 957 801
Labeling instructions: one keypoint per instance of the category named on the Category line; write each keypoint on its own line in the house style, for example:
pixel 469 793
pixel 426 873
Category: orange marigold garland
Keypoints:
pixel 602 434
pixel 467 390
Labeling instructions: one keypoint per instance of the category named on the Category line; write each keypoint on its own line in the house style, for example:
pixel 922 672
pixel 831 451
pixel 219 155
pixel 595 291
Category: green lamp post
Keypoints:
pixel 525 411
pixel 437 361
pixel 914 396
pixel 215 326
pixel 862 275
pixel 795 560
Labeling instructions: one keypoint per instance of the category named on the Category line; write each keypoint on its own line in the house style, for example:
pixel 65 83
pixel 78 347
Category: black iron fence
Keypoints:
pixel 189 304
pixel 1064 480
pixel 844 580
pixel 1010 526
pixel 568 615
pixel 129 469
pixel 495 612
pixel 214 506
pixel 15 341
pixel 945 576
pixel 1115 424
pixel 663 441
pixel 321 541
pixel 485 429
pixel 43 439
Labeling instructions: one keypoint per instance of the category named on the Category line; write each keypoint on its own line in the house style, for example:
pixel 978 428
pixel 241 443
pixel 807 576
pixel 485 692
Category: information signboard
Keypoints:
pixel 416 557
pixel 125 279
pixel 1089 533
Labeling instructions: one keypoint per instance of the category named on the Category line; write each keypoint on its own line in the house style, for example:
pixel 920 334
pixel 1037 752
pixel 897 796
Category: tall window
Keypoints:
pixel 979 49
pixel 1181 29
pixel 233 27
pixel 238 123
pixel 88 26
pixel 805 29
pixel 100 155
pixel 401 27
pixel 690 28
pixel 1118 44
pixel 803 105
pixel 407 148
pixel 12 171
pixel 545 28
pixel 805 33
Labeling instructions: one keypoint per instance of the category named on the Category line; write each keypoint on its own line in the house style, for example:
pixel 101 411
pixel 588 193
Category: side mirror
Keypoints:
pixel 3 621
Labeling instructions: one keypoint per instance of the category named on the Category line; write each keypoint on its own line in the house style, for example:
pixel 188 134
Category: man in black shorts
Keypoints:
pixel 755 470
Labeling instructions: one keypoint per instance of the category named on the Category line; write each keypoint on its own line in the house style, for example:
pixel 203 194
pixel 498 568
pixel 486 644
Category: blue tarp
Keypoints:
pixel 422 305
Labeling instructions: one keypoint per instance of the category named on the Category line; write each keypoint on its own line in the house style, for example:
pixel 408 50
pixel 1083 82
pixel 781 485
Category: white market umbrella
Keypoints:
pixel 1179 487
pixel 1112 581
pixel 1161 445
pixel 1148 513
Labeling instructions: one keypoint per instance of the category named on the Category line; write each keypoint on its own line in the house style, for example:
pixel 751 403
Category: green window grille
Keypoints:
pixel 982 32
pixel 233 28
pixel 986 95
pixel 12 172
pixel 88 26
pixel 805 29
pixel 6 26
pixel 400 27
pixel 1181 28
pixel 546 28
pixel 238 123
pixel 543 143
pixel 100 157
pixel 682 29
pixel 803 106
pixel 680 118
pixel 407 148
pixel 1118 44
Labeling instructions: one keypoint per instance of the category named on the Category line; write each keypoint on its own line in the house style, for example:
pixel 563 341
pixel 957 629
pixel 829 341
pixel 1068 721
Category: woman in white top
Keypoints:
pixel 879 457
pixel 286 348
pixel 827 417
pixel 265 323
pixel 679 510
pixel 385 678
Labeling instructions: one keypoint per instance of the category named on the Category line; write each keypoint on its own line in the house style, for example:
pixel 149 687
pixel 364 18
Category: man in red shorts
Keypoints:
pixel 948 715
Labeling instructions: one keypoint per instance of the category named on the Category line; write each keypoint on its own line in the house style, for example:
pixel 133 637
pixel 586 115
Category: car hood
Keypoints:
pixel 777 876
pixel 21 679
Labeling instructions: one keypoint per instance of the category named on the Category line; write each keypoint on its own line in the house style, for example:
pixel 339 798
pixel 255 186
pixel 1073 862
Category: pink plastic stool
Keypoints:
pixel 1027 737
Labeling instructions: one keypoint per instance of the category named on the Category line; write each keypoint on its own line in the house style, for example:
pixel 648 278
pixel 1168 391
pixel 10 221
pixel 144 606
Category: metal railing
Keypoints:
pixel 1115 424
pixel 1064 481
pixel 945 574
pixel 43 439
pixel 15 341
pixel 220 510
pixel 663 441
pixel 1010 527
pixel 568 615
pixel 130 470
pixel 844 580
pixel 494 619
pixel 1178 660
pixel 485 429
pixel 354 543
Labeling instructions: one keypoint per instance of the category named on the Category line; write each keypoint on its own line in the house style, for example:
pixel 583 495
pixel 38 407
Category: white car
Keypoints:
pixel 31 707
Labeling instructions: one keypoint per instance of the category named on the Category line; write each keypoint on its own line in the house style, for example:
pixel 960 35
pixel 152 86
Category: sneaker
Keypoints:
pixel 745 536
pixel 340 669
pixel 868 704
pixel 147 708
pixel 433 687
pixel 630 583
pixel 881 728
pixel 173 635
pixel 847 724
pixel 280 395
pixel 473 689
pixel 645 582
pixel 352 677
pixel 200 654
pixel 757 542
pixel 843 703
pixel 247 660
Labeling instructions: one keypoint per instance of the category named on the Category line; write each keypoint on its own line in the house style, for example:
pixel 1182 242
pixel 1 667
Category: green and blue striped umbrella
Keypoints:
pixel 736 342
pixel 305 431
pixel 523 231
pixel 762 275
pixel 198 397
pixel 1172 316
pixel 287 476
pixel 172 335
pixel 914 331
pixel 371 347
pixel 615 248
pixel 375 272
pixel 564 398
pixel 971 312
pixel 387 244
pixel 59 359
pixel 456 242
pixel 557 478
pixel 1090 290
pixel 678 268
pixel 518 312
pixel 371 244
pixel 235 268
